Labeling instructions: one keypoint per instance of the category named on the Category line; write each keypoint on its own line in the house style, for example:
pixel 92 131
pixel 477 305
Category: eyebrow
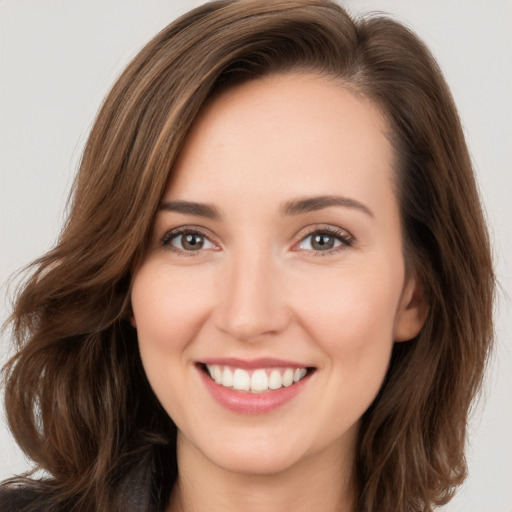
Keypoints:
pixel 311 204
pixel 191 208
pixel 294 207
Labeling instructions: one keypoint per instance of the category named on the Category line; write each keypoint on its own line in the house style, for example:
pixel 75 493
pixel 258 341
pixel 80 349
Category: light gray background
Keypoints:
pixel 60 57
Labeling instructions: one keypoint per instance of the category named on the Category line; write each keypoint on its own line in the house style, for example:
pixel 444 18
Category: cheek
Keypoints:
pixel 168 308
pixel 168 312
pixel 350 312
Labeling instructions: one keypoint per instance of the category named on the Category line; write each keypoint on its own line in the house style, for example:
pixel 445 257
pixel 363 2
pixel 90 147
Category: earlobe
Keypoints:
pixel 412 312
pixel 132 321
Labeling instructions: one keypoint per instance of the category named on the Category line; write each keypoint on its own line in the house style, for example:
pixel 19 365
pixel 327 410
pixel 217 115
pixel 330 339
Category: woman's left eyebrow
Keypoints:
pixel 191 208
pixel 311 204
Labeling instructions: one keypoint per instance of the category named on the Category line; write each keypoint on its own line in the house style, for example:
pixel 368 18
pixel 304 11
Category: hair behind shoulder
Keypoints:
pixel 77 399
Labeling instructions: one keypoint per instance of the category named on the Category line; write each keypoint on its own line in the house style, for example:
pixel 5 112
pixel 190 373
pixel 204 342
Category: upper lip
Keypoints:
pixel 249 364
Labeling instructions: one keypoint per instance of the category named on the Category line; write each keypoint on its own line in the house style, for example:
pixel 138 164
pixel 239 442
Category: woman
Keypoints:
pixel 274 287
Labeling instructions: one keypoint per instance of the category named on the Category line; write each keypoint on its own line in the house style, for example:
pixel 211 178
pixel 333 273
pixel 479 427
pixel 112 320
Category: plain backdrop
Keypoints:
pixel 58 58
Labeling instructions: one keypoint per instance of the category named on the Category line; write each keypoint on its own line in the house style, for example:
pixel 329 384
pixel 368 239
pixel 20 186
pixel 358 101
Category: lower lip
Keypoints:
pixel 252 403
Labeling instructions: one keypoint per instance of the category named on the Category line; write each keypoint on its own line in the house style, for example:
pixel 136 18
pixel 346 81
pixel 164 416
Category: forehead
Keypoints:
pixel 296 132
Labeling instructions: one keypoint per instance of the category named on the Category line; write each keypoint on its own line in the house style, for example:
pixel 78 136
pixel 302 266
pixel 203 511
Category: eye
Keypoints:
pixel 325 240
pixel 188 241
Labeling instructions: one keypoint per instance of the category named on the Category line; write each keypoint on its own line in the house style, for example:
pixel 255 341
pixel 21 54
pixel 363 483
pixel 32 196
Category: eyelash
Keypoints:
pixel 175 233
pixel 345 239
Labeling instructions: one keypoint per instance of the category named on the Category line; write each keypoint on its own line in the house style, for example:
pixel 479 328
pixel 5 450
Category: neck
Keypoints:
pixel 323 482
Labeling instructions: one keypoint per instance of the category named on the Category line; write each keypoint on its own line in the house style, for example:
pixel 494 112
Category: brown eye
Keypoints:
pixel 187 241
pixel 190 242
pixel 324 241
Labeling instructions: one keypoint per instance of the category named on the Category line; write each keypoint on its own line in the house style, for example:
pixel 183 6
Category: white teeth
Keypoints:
pixel 275 381
pixel 217 374
pixel 227 377
pixel 260 380
pixel 241 380
pixel 299 373
pixel 288 377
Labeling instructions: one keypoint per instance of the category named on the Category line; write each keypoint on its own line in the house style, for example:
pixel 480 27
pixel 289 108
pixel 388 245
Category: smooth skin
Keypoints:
pixel 254 272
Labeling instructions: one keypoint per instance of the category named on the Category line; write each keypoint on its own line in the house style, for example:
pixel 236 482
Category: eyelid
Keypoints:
pixel 345 238
pixel 342 235
pixel 171 234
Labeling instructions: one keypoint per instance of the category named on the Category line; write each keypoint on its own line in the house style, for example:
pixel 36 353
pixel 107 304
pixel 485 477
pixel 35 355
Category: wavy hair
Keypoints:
pixel 77 399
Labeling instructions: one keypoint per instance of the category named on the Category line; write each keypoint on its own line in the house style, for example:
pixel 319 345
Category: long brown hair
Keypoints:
pixel 77 399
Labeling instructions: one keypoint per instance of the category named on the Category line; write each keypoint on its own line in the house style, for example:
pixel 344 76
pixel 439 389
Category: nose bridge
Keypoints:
pixel 252 303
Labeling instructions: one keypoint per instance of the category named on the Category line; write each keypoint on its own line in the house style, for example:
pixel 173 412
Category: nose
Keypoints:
pixel 252 301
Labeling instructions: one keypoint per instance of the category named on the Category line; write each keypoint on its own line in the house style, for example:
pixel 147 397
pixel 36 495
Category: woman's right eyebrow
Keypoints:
pixel 191 208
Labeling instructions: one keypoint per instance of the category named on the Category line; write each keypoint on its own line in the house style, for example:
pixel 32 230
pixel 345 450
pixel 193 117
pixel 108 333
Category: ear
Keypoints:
pixel 412 311
pixel 132 321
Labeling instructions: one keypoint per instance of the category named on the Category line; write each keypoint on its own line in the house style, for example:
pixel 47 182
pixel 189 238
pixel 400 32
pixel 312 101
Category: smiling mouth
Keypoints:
pixel 258 380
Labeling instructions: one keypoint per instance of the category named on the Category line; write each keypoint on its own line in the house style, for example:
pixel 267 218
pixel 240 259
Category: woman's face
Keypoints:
pixel 276 266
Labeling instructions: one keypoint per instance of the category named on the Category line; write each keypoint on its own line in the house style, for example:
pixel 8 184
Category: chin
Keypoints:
pixel 252 455
pixel 255 463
